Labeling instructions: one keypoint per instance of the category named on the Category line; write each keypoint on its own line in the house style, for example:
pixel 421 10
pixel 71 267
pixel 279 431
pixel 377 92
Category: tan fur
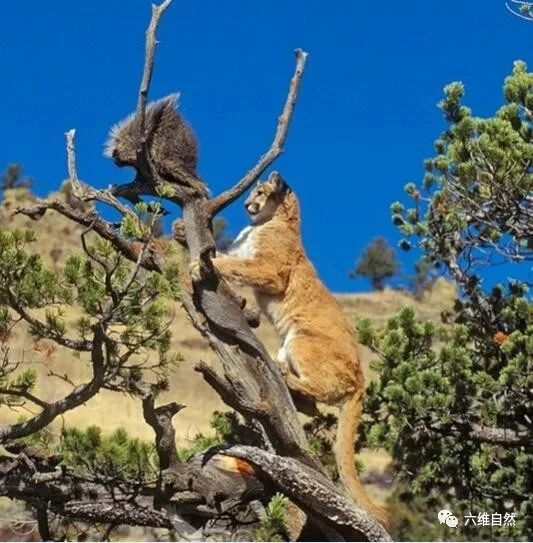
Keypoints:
pixel 318 354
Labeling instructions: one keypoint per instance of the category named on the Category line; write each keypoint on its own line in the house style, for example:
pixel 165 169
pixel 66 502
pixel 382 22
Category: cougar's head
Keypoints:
pixel 266 197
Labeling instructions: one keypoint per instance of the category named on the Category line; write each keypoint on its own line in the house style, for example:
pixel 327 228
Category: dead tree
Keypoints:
pixel 251 382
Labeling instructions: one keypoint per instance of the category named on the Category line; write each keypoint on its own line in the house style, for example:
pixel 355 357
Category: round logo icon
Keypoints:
pixel 452 521
pixel 443 515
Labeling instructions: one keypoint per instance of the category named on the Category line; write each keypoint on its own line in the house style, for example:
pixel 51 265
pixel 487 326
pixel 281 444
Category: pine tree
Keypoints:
pixel 378 263
pixel 13 177
pixel 454 401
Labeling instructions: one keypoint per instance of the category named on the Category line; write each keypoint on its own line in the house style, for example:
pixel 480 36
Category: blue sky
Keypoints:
pixel 365 120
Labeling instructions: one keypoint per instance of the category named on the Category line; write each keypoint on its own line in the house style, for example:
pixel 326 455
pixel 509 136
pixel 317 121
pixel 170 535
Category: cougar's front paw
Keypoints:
pixel 219 263
pixel 284 368
pixel 195 271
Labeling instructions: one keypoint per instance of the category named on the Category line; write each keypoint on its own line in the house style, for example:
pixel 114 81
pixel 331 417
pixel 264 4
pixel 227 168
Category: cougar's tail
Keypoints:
pixel 349 419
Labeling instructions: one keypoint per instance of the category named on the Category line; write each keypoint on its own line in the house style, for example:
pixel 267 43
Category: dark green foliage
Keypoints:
pixel 23 275
pixel 437 391
pixel 273 524
pixel 199 443
pixel 13 178
pixel 117 456
pixel 107 292
pixel 143 309
pixel 14 385
pixel 378 263
pixel 472 206
pixel 320 432
pixel 105 458
pixel 454 401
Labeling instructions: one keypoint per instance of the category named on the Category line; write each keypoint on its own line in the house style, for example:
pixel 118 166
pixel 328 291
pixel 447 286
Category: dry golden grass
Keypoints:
pixel 58 237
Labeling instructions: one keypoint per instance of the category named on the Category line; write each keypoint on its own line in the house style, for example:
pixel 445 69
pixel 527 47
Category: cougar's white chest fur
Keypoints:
pixel 244 245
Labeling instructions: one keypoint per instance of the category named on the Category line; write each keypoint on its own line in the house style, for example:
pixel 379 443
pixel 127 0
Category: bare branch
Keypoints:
pixel 85 193
pixel 503 436
pixel 20 393
pixel 91 219
pixel 151 42
pixel 160 419
pixel 314 493
pixel 71 164
pixel 230 195
pixel 88 194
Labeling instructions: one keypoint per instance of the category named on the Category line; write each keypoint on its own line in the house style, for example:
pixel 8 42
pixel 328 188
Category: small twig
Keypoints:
pixel 24 394
pixel 105 229
pixel 119 296
pixel 65 378
pixel 151 42
pixel 88 251
pixel 45 331
pixel 227 197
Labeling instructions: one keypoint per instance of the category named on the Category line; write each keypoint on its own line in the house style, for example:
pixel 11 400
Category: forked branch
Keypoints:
pixel 227 197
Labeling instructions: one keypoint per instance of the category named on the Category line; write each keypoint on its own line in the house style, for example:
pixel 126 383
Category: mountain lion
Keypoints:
pixel 318 354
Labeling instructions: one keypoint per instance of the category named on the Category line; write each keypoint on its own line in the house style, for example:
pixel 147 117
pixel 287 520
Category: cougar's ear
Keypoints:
pixel 280 186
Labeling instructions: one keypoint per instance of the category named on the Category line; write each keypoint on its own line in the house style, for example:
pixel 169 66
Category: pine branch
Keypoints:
pixel 77 397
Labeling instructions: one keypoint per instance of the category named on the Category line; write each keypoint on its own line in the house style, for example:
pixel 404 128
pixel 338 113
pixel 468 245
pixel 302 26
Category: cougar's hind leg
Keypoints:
pixel 303 388
pixel 308 376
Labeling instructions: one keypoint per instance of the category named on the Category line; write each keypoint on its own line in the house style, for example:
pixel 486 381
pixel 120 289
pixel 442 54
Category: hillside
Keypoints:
pixel 58 237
